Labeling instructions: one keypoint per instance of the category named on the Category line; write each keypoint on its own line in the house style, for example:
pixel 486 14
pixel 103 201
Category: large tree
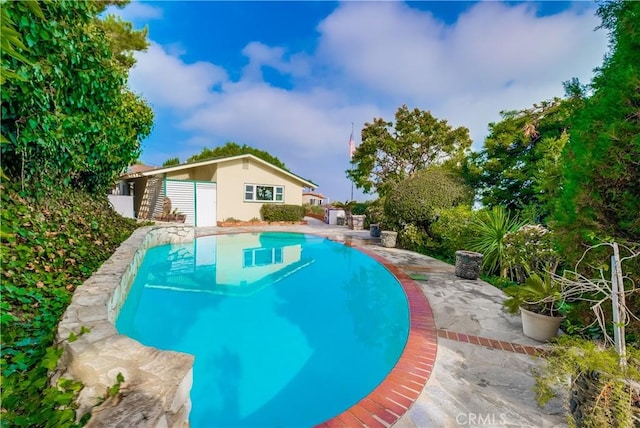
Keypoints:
pixel 234 149
pixel 601 188
pixel 67 114
pixel 390 152
pixel 520 163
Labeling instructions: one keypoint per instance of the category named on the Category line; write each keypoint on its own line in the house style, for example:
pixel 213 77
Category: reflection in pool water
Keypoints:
pixel 287 329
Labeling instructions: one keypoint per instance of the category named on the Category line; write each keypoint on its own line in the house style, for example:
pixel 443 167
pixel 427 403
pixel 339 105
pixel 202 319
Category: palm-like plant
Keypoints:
pixel 490 228
pixel 540 294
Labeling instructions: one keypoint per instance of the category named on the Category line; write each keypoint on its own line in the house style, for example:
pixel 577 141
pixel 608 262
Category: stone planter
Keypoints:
pixel 357 222
pixel 468 264
pixel 388 238
pixel 374 230
pixel 539 327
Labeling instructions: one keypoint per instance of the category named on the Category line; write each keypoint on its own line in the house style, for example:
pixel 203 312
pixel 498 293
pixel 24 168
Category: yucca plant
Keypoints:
pixel 489 229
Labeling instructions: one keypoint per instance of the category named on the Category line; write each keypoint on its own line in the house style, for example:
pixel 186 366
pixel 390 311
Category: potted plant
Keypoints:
pixel 601 380
pixel 539 301
pixel 179 216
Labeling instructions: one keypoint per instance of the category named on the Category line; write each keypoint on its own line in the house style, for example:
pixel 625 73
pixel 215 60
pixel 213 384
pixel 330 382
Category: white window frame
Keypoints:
pixel 267 256
pixel 251 190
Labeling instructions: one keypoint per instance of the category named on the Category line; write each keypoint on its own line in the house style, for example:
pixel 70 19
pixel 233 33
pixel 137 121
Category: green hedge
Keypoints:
pixel 271 212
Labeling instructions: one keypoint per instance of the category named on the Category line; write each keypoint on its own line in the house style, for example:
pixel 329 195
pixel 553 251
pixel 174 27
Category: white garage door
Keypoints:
pixel 206 204
pixel 195 199
pixel 182 198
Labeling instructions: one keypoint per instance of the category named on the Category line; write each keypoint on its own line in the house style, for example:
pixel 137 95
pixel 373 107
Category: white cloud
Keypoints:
pixel 136 10
pixel 303 125
pixel 495 57
pixel 407 53
pixel 166 81
pixel 371 58
pixel 261 55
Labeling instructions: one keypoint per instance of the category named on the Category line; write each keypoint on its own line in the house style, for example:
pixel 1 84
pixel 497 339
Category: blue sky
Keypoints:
pixel 291 77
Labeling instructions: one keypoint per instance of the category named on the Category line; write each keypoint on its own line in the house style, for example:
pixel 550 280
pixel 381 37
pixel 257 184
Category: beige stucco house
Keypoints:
pixel 313 198
pixel 215 189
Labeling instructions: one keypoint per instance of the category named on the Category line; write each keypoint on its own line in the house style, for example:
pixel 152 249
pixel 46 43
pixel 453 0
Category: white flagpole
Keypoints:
pixel 351 158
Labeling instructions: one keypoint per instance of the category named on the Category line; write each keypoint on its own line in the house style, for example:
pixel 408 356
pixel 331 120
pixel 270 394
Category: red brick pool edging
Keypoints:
pixel 400 389
pixel 499 345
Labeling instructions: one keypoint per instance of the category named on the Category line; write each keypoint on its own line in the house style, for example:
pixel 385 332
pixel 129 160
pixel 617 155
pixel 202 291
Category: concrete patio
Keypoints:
pixel 483 371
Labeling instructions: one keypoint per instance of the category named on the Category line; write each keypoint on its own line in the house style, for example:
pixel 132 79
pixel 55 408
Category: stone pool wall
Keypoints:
pixel 156 387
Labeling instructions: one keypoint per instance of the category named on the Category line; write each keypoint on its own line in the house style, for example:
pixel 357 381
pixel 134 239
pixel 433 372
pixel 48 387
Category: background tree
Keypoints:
pixel 418 199
pixel 171 162
pixel 600 195
pixel 69 117
pixel 390 152
pixel 124 39
pixel 234 149
pixel 520 163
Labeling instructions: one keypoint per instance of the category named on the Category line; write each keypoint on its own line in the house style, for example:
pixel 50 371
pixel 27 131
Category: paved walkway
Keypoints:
pixel 482 374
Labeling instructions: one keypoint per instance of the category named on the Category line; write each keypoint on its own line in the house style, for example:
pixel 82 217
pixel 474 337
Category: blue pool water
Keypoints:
pixel 287 329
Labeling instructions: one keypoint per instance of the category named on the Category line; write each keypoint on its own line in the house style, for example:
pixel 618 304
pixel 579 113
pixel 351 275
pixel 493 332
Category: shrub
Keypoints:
pixel 418 199
pixel 593 372
pixel 375 214
pixel 313 209
pixel 413 238
pixel 489 228
pixel 530 249
pixel 272 212
pixel 452 230
pixel 360 208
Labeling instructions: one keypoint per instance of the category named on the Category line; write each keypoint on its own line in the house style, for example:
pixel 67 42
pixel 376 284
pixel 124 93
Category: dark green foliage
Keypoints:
pixel 451 231
pixel 520 163
pixel 390 152
pixel 359 208
pixel 489 228
pixel 600 196
pixel 375 214
pixel 234 149
pixel 417 199
pixel 280 212
pixel 171 162
pixel 69 118
pixel 49 247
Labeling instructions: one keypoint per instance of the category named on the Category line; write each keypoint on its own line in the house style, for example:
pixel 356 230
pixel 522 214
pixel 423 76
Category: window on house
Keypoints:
pixel 261 257
pixel 263 193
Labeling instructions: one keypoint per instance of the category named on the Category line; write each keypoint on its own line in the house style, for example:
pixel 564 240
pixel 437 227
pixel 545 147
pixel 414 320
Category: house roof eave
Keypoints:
pixel 167 169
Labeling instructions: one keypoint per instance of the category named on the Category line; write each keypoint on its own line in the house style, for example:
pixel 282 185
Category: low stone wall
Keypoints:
pixel 157 383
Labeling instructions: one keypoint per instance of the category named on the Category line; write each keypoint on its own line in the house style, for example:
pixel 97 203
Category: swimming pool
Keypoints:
pixel 287 329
